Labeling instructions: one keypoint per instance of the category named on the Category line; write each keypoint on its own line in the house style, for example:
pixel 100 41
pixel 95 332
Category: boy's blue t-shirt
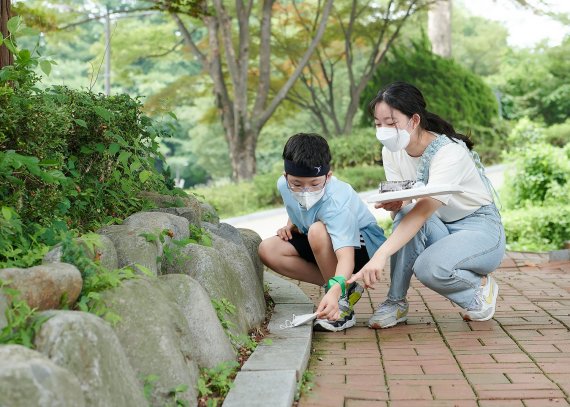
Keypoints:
pixel 344 214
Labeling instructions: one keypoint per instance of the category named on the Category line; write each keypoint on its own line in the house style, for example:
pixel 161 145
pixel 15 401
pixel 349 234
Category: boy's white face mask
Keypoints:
pixel 308 199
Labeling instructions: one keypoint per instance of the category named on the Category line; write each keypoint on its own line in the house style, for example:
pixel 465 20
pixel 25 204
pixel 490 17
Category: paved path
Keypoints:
pixel 519 358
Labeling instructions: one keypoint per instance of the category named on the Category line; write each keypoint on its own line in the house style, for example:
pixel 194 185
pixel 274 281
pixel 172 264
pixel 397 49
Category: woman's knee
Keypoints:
pixel 430 272
pixel 402 212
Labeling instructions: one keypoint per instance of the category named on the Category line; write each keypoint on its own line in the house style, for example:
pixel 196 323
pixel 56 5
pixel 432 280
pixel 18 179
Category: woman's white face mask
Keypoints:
pixel 393 138
pixel 308 199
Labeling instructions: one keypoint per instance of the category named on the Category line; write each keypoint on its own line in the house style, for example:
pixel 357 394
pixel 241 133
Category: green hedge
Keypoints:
pixel 450 90
pixel 537 228
pixel 104 146
pixel 359 148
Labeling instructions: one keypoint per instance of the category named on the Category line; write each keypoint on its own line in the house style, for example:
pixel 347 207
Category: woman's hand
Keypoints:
pixel 328 307
pixel 286 232
pixel 371 271
pixel 394 206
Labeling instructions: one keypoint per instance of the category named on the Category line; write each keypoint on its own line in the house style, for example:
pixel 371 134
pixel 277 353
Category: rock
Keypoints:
pixel 225 231
pixel 211 345
pixel 104 252
pixel 209 214
pixel 251 241
pixel 170 201
pixel 28 378
pixel 85 345
pixel 226 271
pixel 155 336
pixel 132 248
pixel 43 287
pixel 3 307
pixel 156 222
pixel 190 214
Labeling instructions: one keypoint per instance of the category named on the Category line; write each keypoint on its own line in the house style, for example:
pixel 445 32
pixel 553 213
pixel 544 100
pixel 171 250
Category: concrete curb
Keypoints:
pixel 270 375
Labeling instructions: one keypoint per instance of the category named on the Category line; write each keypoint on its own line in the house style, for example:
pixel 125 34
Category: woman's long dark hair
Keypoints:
pixel 409 100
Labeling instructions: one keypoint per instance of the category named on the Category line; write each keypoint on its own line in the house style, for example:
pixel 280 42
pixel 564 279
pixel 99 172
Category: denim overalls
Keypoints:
pixel 449 257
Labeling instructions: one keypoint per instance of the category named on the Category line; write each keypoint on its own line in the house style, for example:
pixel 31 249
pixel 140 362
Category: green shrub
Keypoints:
pixel 458 96
pixel 362 178
pixel 558 134
pixel 537 228
pixel 229 199
pixel 359 148
pixel 541 177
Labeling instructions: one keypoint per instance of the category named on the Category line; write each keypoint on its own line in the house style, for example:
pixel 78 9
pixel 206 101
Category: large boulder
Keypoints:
pixel 190 214
pixel 156 222
pixel 28 378
pixel 172 201
pixel 209 213
pixel 251 241
pixel 247 238
pixel 3 308
pixel 156 338
pixel 43 287
pixel 104 252
pixel 211 345
pixel 86 345
pixel 226 271
pixel 133 248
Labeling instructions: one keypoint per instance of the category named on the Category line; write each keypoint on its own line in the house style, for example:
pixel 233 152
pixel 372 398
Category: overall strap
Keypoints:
pixel 481 170
pixel 422 174
pixel 430 151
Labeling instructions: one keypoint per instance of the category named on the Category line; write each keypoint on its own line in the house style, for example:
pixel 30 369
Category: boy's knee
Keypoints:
pixel 263 250
pixel 317 233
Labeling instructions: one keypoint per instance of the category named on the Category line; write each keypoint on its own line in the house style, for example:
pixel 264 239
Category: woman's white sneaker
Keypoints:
pixel 486 301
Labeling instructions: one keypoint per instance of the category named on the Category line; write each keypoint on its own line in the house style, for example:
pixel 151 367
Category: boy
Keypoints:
pixel 330 233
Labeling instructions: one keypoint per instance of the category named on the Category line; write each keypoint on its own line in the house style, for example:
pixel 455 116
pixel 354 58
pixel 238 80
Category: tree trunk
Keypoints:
pixel 242 155
pixel 6 57
pixel 439 28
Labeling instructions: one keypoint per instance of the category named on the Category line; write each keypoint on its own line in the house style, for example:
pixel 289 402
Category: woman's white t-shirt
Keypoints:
pixel 452 164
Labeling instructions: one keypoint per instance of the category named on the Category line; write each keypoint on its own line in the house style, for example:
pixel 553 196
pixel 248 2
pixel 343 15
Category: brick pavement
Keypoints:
pixel 519 358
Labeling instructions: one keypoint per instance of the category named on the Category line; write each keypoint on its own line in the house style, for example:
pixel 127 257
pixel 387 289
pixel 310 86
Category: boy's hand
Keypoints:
pixel 371 271
pixel 328 307
pixel 286 232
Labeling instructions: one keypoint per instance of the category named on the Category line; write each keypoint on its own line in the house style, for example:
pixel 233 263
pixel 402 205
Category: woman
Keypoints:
pixel 450 242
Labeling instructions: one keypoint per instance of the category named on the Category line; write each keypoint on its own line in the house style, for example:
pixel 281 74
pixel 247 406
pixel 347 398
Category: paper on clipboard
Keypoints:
pixel 414 193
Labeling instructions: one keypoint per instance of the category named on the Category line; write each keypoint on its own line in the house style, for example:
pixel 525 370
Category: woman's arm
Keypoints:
pixel 328 307
pixel 406 230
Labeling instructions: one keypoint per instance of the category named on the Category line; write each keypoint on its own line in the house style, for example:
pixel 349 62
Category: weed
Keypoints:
pixel 305 384
pixel 22 321
pixel 215 383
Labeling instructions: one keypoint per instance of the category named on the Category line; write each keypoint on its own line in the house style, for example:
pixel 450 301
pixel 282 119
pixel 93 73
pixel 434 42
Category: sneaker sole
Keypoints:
pixel 376 325
pixel 324 326
pixel 467 318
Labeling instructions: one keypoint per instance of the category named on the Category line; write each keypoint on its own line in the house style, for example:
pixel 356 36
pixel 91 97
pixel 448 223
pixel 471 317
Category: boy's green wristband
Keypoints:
pixel 341 280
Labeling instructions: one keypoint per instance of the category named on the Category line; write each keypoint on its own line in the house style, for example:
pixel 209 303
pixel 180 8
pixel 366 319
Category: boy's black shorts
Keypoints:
pixel 300 242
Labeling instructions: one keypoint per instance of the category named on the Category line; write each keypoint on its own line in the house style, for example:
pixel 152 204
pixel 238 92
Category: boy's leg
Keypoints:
pixel 282 257
pixel 321 245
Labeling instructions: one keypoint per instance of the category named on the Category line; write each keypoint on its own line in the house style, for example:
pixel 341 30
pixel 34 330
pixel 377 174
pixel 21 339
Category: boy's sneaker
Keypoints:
pixel 388 314
pixel 346 304
pixel 486 301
